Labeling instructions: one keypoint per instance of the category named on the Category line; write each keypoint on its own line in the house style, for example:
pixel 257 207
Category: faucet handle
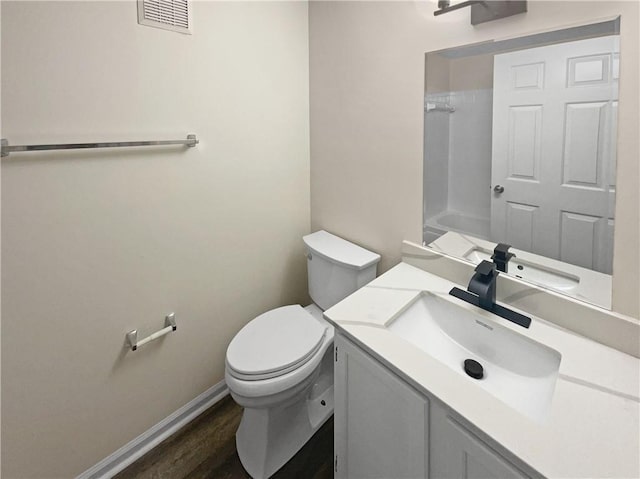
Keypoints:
pixel 486 268
pixel 501 252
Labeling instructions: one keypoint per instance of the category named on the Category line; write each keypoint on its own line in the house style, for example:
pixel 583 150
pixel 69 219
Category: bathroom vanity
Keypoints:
pixel 386 428
pixel 552 403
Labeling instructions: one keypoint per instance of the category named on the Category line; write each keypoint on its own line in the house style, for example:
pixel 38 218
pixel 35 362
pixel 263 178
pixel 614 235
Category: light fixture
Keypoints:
pixel 484 10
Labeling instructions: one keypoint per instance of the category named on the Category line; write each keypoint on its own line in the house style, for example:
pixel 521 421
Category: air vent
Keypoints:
pixel 174 15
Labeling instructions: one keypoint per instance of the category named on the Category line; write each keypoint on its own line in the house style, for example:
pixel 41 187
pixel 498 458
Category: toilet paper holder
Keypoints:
pixel 169 327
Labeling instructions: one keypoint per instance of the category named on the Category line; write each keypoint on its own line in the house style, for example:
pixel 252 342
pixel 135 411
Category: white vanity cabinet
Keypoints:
pixel 384 428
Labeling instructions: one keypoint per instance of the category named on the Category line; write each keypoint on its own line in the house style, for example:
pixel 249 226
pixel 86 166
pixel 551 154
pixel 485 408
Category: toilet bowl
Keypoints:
pixel 279 367
pixel 278 381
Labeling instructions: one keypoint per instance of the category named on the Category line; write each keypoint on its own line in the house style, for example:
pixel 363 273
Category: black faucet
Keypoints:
pixel 482 292
pixel 483 284
pixel 501 256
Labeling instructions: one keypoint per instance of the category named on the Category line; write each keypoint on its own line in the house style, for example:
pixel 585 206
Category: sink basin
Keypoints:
pixel 548 277
pixel 517 370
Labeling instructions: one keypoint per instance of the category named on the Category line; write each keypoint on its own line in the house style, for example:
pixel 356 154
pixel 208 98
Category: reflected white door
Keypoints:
pixel 554 122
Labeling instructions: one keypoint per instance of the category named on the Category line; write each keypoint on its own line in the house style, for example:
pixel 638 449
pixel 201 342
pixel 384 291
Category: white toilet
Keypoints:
pixel 279 367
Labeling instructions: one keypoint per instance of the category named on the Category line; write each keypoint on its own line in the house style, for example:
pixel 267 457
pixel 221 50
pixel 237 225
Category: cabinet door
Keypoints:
pixel 381 423
pixel 456 453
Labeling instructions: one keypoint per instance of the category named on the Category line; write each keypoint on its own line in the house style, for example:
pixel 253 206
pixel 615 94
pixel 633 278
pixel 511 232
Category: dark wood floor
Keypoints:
pixel 206 449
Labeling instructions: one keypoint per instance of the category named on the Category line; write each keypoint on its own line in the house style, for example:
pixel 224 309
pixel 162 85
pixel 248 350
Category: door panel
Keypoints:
pixel 525 124
pixel 521 224
pixel 580 238
pixel 588 70
pixel 585 124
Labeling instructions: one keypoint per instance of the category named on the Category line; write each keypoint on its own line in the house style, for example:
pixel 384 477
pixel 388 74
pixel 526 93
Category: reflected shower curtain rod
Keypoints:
pixel 191 141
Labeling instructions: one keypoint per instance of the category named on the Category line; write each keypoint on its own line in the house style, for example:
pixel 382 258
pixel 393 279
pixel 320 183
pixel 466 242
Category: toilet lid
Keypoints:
pixel 276 341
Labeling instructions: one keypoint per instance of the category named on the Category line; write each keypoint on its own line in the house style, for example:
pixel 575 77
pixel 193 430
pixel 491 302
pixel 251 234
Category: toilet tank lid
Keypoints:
pixel 340 251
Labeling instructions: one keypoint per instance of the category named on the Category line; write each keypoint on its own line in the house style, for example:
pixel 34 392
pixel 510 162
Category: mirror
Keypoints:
pixel 520 148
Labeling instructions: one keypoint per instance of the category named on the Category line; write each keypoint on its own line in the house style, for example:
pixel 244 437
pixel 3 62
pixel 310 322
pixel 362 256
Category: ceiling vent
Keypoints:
pixel 174 15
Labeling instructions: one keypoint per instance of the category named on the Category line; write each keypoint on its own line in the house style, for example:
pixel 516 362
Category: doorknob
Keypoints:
pixel 498 189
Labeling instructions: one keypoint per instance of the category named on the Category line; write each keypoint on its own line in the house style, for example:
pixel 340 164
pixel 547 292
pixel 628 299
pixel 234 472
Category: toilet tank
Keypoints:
pixel 336 268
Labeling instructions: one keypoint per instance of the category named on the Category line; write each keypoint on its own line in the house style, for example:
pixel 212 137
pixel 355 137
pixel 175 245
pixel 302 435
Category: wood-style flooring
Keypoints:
pixel 206 449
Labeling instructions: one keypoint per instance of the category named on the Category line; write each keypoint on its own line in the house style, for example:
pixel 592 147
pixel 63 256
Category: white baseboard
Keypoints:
pixel 146 441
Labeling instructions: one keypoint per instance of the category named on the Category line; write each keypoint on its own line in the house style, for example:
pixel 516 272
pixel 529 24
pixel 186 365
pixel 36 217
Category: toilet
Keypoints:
pixel 279 367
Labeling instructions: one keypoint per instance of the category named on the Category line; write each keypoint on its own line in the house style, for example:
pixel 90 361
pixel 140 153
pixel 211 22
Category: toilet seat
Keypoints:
pixel 274 343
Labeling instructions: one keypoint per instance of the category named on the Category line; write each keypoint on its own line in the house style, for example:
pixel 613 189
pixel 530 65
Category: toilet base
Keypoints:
pixel 268 438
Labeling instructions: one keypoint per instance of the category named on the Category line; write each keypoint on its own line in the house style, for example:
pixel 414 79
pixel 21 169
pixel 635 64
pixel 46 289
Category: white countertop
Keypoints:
pixel 593 427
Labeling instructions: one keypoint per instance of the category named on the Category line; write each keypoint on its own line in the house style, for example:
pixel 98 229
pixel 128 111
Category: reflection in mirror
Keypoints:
pixel 520 148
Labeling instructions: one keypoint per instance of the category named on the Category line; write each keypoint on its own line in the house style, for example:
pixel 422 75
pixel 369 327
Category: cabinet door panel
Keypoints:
pixel 456 453
pixel 380 421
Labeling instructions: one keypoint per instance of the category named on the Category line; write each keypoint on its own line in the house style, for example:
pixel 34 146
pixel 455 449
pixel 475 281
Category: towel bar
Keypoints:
pixel 5 148
pixel 169 326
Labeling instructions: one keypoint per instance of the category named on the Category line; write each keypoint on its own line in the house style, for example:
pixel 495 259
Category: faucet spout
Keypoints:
pixel 501 256
pixel 483 284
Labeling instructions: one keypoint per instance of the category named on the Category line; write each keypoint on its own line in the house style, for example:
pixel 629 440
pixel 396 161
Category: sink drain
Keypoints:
pixel 473 368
